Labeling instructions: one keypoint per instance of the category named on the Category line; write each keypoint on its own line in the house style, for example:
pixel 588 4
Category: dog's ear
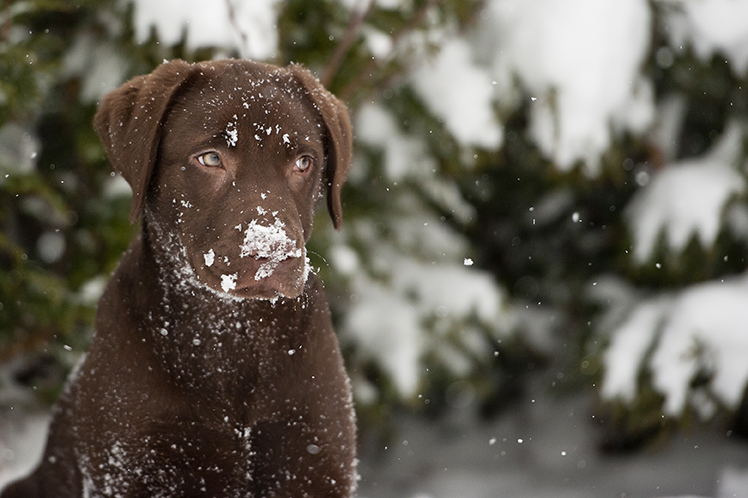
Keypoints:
pixel 129 122
pixel 339 139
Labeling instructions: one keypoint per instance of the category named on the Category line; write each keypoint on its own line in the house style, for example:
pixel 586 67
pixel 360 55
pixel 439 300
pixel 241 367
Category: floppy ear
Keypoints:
pixel 339 139
pixel 129 122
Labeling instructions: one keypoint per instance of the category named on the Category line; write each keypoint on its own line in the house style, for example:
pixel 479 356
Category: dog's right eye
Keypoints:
pixel 210 159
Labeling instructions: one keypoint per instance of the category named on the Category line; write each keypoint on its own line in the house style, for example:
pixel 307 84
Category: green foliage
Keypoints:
pixel 544 235
pixel 59 201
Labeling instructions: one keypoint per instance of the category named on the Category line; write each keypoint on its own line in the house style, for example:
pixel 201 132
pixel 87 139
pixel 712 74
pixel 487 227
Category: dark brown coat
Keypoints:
pixel 214 370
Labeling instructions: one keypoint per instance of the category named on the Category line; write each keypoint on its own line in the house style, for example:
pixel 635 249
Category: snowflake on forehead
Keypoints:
pixel 231 133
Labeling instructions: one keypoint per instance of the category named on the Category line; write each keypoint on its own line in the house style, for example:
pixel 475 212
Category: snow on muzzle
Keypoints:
pixel 270 243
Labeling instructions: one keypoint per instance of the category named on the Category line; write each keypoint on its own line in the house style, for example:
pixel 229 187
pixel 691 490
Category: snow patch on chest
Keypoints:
pixel 228 282
pixel 209 257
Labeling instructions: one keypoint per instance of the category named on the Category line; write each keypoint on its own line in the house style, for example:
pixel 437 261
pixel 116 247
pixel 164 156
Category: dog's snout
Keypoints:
pixel 271 241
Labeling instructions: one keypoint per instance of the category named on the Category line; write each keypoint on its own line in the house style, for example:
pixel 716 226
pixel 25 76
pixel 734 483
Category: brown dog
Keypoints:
pixel 214 370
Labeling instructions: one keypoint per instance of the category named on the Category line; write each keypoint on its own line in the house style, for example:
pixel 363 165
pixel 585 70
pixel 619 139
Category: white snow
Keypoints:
pixel 414 293
pixel 711 27
pixel 406 156
pixel 51 246
pixel 708 329
pixel 454 457
pixel 358 5
pixel 101 67
pixel 271 242
pixel 232 134
pixel 461 93
pixel 378 43
pixel 687 198
pixel 209 257
pixel 228 282
pixel 116 186
pixel 581 59
pixel 703 329
pixel 91 290
pixel 624 357
pixel 253 29
pixel 393 337
pixel 21 444
pixel 19 150
pixel 449 290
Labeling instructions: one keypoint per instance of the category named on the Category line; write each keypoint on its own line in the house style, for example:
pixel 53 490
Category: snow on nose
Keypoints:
pixel 268 242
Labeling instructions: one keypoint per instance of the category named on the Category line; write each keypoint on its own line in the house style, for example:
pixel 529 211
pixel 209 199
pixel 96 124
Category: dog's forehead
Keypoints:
pixel 243 104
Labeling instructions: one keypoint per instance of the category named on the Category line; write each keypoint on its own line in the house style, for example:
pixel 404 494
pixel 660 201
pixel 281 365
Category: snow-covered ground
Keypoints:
pixel 544 448
pixel 21 443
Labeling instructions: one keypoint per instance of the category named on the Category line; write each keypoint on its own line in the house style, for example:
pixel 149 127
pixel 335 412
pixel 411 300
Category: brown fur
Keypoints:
pixel 191 387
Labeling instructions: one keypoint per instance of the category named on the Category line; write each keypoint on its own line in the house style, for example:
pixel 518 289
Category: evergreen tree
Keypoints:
pixel 533 186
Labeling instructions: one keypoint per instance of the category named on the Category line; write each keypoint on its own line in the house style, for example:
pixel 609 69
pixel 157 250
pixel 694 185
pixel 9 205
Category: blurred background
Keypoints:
pixel 540 287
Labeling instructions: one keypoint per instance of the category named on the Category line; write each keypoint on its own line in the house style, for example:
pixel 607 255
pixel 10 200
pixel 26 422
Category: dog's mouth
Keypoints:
pixel 259 273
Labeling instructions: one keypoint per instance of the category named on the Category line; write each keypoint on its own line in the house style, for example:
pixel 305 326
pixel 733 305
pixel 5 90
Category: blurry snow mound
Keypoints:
pixel 701 331
pixel 687 197
pixel 460 93
pixel 414 296
pixel 389 319
pixel 733 483
pixel 100 66
pixel 252 29
pixel 19 150
pixel 624 358
pixel 580 60
pixel 407 157
pixel 711 27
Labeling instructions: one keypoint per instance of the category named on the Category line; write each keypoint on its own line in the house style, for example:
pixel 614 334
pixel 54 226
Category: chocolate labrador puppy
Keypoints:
pixel 214 369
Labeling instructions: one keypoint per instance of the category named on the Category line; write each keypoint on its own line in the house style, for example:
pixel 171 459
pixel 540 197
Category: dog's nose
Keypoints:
pixel 270 242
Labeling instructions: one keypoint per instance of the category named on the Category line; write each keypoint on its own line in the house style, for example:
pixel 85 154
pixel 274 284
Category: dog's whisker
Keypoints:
pixel 318 255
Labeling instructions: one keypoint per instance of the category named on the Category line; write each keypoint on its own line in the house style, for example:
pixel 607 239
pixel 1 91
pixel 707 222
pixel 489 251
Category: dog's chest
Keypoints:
pixel 224 346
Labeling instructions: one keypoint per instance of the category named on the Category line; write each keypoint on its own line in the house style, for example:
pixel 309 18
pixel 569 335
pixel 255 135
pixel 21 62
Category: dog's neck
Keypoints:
pixel 175 274
pixel 206 341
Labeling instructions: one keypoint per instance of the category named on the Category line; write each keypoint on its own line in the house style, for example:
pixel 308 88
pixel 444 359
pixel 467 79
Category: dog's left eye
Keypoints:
pixel 210 159
pixel 304 163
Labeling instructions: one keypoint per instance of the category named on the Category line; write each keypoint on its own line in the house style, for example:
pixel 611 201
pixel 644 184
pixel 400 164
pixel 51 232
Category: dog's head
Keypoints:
pixel 228 159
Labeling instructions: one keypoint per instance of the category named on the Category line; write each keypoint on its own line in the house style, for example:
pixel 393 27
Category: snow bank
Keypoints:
pixel 388 320
pixel 22 443
pixel 461 93
pixel 252 28
pixel 707 330
pixel 624 357
pixel 413 295
pixel 19 150
pixel 406 156
pixel 581 60
pixel 710 27
pixel 687 198
pixel 702 330
pixel 388 329
pixel 101 67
